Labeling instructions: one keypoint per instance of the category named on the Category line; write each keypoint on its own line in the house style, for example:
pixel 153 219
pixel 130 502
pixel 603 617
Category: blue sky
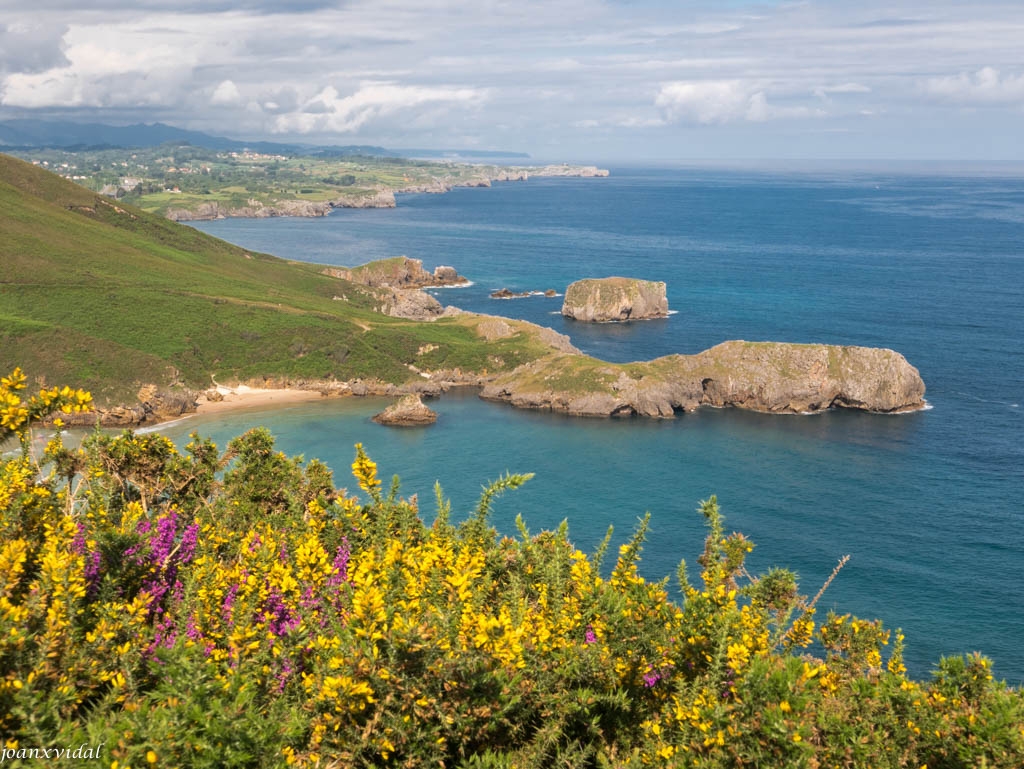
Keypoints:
pixel 560 79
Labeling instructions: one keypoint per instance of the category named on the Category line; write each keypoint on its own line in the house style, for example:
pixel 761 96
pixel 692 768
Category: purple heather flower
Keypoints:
pixel 651 679
pixel 191 630
pixel 591 636
pixel 188 543
pixel 340 565
pixel 229 603
pixel 279 618
pixel 92 573
pixel 282 677
pixel 164 635
pixel 256 542
pixel 78 543
pixel 161 545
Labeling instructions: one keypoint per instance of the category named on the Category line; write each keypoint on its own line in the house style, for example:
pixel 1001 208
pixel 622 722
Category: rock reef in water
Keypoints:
pixel 602 300
pixel 408 411
pixel 507 293
pixel 770 377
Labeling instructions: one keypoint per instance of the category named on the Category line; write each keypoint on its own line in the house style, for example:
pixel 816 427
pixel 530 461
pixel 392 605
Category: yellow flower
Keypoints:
pixel 365 471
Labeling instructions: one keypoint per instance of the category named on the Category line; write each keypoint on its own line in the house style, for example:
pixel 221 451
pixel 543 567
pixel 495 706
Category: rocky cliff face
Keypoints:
pixel 601 300
pixel 760 376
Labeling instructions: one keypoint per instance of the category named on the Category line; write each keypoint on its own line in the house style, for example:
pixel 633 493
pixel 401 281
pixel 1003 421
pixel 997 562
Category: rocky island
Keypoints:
pixel 605 300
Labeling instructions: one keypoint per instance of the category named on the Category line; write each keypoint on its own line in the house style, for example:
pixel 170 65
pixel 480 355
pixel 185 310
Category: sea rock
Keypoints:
pixel 600 300
pixel 446 276
pixel 408 411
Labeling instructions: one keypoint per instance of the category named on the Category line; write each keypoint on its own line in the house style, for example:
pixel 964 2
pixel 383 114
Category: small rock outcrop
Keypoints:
pixel 398 272
pixel 602 300
pixel 410 303
pixel 408 411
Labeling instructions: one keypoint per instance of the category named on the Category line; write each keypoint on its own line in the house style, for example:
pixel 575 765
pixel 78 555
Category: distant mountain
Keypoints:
pixel 27 133
pixel 45 133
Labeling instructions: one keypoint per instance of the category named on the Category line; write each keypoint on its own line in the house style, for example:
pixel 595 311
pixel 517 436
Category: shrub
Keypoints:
pixel 238 610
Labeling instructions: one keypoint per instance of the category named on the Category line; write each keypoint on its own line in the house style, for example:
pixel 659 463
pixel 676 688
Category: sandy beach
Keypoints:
pixel 243 396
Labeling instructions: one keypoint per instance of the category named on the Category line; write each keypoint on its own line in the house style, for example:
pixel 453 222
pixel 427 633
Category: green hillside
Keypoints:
pixel 109 297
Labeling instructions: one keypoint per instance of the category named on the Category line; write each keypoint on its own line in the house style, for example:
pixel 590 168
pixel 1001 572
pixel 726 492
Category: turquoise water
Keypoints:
pixel 927 504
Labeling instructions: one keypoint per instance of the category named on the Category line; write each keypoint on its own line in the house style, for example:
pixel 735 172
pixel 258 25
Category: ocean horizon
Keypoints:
pixel 927 504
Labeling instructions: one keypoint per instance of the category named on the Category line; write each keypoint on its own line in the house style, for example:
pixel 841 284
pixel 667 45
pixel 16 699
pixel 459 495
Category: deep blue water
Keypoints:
pixel 927 504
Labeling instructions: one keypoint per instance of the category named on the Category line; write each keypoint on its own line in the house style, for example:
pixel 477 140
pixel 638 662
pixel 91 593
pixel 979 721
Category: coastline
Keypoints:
pixel 380 197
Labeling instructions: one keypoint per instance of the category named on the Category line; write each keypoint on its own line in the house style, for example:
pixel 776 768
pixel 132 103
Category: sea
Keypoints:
pixel 928 505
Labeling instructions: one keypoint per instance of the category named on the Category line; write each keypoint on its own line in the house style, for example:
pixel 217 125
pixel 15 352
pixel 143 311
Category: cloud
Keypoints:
pixel 31 47
pixel 722 101
pixel 986 86
pixel 329 112
pixel 712 101
pixel 226 94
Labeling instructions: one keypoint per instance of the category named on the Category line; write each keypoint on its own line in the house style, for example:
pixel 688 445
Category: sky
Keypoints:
pixel 618 80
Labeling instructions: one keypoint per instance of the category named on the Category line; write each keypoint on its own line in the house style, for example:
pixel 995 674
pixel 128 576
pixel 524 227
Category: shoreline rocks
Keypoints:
pixel 604 300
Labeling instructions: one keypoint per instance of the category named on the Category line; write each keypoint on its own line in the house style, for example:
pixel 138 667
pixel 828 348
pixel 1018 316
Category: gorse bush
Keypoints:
pixel 199 609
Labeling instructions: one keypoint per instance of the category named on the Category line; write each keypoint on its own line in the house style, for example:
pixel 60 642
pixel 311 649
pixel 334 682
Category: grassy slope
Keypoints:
pixel 109 297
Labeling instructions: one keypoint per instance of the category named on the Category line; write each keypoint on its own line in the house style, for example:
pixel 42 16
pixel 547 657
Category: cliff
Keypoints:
pixel 600 300
pixel 760 376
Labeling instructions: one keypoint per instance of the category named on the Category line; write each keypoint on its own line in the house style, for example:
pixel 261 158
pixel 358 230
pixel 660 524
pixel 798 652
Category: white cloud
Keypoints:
pixel 328 111
pixel 986 86
pixel 722 101
pixel 709 101
pixel 226 95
